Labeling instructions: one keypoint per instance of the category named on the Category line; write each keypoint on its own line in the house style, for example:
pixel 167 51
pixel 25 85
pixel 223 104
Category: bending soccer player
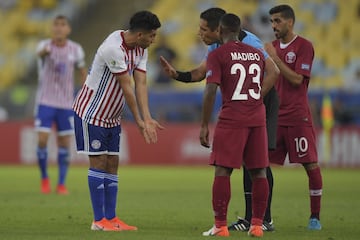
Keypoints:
pixel 295 133
pixel 209 34
pixel 98 108
pixel 240 133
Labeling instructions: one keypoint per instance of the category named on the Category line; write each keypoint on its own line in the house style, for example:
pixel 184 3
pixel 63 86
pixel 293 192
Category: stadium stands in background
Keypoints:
pixel 332 25
pixel 23 24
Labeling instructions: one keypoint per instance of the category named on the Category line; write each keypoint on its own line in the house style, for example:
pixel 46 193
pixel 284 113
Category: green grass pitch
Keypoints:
pixel 172 203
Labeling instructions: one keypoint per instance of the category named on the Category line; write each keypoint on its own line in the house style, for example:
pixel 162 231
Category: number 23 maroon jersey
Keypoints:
pixel 238 69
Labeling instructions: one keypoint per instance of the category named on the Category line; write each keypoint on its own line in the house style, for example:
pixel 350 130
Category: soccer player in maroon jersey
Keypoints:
pixel 240 134
pixel 209 34
pixel 295 133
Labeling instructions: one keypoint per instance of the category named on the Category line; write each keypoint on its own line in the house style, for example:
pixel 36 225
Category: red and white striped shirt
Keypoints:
pixel 56 73
pixel 100 102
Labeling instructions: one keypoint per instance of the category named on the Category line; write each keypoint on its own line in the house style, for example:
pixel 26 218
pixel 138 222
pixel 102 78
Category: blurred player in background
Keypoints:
pixel 98 109
pixel 209 22
pixel 57 59
pixel 295 133
pixel 240 133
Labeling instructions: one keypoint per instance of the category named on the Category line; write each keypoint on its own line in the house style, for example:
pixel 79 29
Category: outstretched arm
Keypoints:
pixel 195 75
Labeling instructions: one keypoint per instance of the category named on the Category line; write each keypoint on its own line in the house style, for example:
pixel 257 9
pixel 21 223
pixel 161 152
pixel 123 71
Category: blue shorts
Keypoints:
pixel 46 116
pixel 95 140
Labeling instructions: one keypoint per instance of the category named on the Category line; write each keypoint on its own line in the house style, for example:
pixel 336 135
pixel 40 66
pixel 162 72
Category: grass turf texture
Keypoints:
pixel 171 203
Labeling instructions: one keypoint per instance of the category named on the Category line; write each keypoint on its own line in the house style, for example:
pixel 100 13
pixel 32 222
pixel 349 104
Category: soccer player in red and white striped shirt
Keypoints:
pixel 58 57
pixel 99 105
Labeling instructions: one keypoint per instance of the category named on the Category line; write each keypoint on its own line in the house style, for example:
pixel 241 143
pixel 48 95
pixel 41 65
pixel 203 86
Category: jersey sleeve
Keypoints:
pixel 213 69
pixel 255 42
pixel 80 57
pixel 305 57
pixel 114 58
pixel 142 64
pixel 211 48
pixel 41 45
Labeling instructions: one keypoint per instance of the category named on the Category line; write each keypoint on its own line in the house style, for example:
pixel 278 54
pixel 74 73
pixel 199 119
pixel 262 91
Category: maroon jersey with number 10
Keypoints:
pixel 239 70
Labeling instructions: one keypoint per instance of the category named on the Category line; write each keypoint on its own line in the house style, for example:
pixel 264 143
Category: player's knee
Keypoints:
pixel 310 166
pixel 223 171
pixel 258 173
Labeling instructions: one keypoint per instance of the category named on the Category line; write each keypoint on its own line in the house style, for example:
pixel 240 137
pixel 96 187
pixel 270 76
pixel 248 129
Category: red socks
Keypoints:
pixel 221 194
pixel 315 188
pixel 260 193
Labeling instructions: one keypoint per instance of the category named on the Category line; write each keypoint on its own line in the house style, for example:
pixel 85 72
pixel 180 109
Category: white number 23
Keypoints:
pixel 255 70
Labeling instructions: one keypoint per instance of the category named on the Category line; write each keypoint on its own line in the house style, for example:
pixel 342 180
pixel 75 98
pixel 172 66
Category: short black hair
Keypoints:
pixel 231 22
pixel 144 20
pixel 212 16
pixel 62 17
pixel 285 10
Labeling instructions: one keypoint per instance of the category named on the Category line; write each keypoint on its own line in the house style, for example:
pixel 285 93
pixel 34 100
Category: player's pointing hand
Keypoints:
pixel 168 68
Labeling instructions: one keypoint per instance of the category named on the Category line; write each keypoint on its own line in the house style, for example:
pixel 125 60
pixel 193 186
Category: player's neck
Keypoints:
pixel 230 38
pixel 129 39
pixel 288 38
pixel 60 42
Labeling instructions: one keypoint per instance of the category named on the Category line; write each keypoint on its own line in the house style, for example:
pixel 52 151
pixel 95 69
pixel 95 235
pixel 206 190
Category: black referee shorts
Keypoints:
pixel 271 101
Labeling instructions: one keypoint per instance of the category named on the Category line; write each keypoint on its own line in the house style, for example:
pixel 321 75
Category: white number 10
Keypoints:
pixel 253 69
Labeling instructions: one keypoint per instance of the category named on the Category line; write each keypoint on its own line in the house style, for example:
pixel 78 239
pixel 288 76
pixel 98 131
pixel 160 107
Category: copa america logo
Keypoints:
pixel 95 144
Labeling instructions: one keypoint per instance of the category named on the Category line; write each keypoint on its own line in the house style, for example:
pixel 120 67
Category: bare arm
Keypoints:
pixel 208 105
pixel 271 75
pixel 141 92
pixel 290 75
pixel 195 75
pixel 125 82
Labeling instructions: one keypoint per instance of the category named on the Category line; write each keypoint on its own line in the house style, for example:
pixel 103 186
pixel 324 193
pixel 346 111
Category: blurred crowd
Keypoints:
pixel 336 67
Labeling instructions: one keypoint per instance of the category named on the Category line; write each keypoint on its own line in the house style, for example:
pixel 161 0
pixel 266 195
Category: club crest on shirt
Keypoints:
pixel 95 144
pixel 290 57
pixel 208 73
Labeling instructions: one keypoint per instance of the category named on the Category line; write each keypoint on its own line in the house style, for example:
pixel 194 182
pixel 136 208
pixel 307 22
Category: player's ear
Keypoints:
pixel 291 22
pixel 139 34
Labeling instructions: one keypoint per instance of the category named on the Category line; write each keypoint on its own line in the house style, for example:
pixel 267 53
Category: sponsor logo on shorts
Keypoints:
pixel 95 144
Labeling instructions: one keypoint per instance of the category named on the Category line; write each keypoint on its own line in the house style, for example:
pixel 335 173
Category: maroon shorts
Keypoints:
pixel 298 141
pixel 233 147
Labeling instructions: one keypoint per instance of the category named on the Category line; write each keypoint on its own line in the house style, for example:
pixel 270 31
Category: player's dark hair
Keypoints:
pixel 212 17
pixel 231 22
pixel 144 20
pixel 62 17
pixel 285 10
